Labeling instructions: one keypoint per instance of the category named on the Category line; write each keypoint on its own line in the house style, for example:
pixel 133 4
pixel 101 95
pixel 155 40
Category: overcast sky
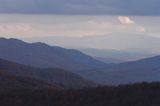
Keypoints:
pixel 116 7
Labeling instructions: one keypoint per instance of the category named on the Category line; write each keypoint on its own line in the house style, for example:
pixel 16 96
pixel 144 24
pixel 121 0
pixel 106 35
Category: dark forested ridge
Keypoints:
pixel 142 94
pixel 53 76
pixel 10 83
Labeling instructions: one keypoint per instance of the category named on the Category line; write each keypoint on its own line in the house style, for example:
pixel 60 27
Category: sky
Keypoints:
pixel 112 7
pixel 104 24
pixel 30 26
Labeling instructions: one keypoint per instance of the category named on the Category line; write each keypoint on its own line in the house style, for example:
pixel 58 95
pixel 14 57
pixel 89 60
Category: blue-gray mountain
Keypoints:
pixel 130 72
pixel 117 56
pixel 45 56
pixel 118 7
pixel 109 60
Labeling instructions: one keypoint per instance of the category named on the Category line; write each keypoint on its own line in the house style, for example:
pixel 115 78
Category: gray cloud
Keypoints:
pixel 112 7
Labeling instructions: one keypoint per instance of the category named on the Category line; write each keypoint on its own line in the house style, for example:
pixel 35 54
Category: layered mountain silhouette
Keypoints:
pixel 45 56
pixel 56 60
pixel 17 75
pixel 130 72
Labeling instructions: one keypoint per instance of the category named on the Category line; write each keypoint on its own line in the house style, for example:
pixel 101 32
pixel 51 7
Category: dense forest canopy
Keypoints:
pixel 142 94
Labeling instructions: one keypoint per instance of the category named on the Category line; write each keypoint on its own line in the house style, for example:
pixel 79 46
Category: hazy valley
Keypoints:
pixel 79 53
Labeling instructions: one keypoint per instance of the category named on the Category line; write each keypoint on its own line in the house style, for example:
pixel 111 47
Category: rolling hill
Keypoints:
pixel 58 77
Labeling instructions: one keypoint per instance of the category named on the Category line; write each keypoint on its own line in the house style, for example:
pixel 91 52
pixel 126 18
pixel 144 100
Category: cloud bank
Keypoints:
pixel 30 26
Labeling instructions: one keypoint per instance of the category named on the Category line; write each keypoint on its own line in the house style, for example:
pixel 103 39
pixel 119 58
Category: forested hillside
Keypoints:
pixel 143 94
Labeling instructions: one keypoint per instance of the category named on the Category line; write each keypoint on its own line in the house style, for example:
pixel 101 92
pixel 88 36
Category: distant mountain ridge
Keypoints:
pixel 119 55
pixel 114 41
pixel 109 60
pixel 147 70
pixel 45 56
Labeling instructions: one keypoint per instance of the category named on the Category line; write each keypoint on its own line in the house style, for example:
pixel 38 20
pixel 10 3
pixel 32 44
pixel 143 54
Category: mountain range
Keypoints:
pixel 69 68
pixel 45 56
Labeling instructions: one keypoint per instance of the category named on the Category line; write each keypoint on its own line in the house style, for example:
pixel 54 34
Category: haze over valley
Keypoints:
pixel 79 53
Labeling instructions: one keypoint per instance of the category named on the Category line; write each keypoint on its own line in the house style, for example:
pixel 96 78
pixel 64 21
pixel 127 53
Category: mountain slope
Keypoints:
pixel 57 77
pixel 10 83
pixel 45 56
pixel 129 72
